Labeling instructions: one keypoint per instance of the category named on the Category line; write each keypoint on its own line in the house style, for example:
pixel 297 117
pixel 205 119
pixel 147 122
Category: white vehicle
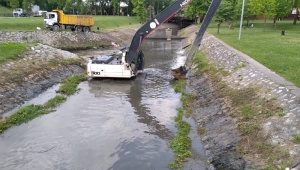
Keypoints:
pixel 40 13
pixel 17 12
pixel 35 9
pixel 110 66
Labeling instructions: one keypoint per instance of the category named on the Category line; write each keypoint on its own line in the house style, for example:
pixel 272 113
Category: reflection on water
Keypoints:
pixel 110 124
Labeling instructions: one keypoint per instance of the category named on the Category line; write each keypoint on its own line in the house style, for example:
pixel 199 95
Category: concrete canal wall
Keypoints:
pixel 213 112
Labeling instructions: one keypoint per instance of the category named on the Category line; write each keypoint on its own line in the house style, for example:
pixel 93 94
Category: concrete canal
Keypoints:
pixel 110 124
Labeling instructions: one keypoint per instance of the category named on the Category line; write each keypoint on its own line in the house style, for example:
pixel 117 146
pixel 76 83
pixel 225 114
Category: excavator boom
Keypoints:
pixel 162 17
pixel 151 25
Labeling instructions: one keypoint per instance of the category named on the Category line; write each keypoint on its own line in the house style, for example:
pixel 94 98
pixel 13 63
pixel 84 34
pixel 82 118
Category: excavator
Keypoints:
pixel 132 61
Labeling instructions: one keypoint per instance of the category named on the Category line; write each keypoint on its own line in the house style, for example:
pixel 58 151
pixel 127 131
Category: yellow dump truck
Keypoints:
pixel 57 20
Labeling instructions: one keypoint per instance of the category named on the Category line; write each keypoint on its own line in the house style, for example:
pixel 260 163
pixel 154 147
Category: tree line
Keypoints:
pixel 93 7
pixel 229 10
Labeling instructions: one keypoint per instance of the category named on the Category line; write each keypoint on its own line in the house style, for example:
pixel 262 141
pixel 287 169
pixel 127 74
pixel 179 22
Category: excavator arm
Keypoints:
pixel 150 26
pixel 162 17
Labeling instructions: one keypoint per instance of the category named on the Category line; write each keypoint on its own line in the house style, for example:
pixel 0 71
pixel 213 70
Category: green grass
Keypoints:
pixel 181 143
pixel 23 115
pixel 5 10
pixel 69 86
pixel 56 101
pixel 105 23
pixel 278 53
pixel 297 139
pixel 179 86
pixel 10 51
pixel 186 99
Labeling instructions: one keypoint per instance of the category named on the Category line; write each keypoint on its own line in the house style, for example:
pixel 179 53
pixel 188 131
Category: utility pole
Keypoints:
pixel 242 16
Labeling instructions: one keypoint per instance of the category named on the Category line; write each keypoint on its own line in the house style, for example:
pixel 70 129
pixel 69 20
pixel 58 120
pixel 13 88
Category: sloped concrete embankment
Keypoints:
pixel 70 40
pixel 245 72
pixel 37 71
pixel 210 112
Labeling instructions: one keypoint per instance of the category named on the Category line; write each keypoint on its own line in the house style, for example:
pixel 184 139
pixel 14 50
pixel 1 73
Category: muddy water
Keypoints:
pixel 110 124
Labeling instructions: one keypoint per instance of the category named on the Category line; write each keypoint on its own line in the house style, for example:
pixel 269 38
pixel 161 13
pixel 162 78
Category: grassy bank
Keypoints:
pixel 11 51
pixel 30 112
pixel 181 143
pixel 4 10
pixel 251 112
pixel 278 53
pixel 29 24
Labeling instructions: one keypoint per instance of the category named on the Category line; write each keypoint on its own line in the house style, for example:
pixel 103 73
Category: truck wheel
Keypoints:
pixel 86 29
pixel 55 28
pixel 78 28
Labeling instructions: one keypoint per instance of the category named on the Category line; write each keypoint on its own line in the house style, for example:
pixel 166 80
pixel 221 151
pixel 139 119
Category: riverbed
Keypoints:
pixel 109 124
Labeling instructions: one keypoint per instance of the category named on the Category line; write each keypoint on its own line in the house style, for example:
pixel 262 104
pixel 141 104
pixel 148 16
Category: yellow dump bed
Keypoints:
pixel 74 19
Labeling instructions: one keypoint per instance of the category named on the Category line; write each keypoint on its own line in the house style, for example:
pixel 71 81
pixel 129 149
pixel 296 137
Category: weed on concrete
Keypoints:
pixel 185 99
pixel 69 86
pixel 297 139
pixel 181 143
pixel 23 115
pixel 56 101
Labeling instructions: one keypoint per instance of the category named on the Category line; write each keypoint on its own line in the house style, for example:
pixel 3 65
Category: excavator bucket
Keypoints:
pixel 179 73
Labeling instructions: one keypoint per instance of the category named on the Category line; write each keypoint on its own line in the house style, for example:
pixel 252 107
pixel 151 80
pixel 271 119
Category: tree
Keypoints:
pixel 263 8
pixel 43 4
pixel 115 6
pixel 226 12
pixel 14 4
pixel 139 9
pixel 27 4
pixel 78 4
pixel 295 4
pixel 69 6
pixel 4 3
pixel 197 9
pixel 283 7
pixel 57 4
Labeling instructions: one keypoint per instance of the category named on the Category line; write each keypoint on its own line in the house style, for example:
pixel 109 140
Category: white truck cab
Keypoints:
pixel 50 19
pixel 17 12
